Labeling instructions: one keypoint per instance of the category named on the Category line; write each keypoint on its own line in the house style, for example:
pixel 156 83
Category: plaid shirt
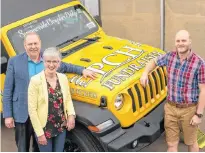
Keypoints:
pixel 183 78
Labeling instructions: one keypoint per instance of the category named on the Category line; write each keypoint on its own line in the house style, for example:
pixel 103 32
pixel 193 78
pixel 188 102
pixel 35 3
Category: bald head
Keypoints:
pixel 183 33
pixel 182 41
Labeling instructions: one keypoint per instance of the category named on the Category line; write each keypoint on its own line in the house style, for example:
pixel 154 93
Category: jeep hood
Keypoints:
pixel 117 63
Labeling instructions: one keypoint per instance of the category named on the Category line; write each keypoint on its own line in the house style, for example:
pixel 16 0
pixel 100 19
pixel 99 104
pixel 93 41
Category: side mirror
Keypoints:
pixel 98 19
pixel 4 61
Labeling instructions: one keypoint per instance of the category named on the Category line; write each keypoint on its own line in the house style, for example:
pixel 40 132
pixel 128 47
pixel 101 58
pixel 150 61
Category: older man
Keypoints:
pixel 15 102
pixel 186 91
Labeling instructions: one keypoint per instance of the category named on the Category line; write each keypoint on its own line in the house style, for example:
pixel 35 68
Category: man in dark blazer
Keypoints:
pixel 15 100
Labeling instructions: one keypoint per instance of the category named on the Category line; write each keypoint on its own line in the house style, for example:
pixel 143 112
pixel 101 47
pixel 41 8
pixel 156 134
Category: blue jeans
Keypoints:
pixel 23 134
pixel 55 144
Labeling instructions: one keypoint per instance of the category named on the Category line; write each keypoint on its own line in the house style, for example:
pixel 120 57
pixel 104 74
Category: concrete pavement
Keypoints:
pixel 8 143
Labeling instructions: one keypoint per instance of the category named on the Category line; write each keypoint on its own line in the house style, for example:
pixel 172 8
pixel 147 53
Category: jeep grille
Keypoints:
pixel 141 97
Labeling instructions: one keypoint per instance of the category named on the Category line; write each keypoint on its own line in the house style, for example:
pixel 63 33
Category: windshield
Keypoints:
pixel 55 28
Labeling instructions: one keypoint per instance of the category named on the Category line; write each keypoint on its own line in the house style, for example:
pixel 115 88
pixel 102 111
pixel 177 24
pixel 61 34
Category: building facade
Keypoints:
pixel 139 20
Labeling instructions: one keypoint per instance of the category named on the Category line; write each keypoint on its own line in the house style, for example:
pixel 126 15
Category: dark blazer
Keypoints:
pixel 15 97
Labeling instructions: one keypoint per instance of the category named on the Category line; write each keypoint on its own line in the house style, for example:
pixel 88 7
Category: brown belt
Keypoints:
pixel 181 105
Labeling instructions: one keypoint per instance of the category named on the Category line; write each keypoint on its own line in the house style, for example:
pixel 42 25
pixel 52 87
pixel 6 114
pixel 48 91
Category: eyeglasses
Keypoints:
pixel 53 62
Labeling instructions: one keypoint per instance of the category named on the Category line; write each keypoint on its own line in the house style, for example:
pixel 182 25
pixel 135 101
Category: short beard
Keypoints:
pixel 184 52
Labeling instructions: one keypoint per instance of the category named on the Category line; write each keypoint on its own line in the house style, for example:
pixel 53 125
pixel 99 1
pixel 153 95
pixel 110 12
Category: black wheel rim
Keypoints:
pixel 71 146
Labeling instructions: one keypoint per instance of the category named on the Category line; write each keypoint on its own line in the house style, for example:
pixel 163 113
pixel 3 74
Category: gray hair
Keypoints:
pixel 52 51
pixel 31 33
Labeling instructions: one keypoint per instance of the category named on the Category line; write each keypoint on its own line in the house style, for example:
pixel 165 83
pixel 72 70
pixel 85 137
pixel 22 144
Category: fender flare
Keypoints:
pixel 88 114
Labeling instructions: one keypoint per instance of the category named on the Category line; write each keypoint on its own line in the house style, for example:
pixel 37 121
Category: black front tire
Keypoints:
pixel 81 140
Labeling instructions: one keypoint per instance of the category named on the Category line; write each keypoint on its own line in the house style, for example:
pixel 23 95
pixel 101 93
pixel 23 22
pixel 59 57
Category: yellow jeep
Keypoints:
pixel 114 112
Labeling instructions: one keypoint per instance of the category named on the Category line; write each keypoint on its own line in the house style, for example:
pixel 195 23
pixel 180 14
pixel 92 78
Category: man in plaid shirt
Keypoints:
pixel 186 92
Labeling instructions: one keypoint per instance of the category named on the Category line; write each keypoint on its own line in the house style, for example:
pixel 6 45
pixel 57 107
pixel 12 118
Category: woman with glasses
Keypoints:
pixel 50 105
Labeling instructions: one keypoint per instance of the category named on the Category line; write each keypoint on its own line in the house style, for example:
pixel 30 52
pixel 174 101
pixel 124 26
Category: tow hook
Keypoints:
pixel 147 124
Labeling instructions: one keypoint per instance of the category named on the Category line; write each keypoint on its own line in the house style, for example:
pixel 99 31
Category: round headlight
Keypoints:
pixel 119 101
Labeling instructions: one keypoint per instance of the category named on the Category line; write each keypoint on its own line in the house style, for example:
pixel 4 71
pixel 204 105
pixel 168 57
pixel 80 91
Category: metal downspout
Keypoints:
pixel 162 24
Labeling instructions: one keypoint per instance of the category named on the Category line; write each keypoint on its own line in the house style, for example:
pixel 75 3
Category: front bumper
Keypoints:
pixel 145 131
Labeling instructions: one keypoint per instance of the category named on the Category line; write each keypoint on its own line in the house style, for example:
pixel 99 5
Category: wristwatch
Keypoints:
pixel 199 115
